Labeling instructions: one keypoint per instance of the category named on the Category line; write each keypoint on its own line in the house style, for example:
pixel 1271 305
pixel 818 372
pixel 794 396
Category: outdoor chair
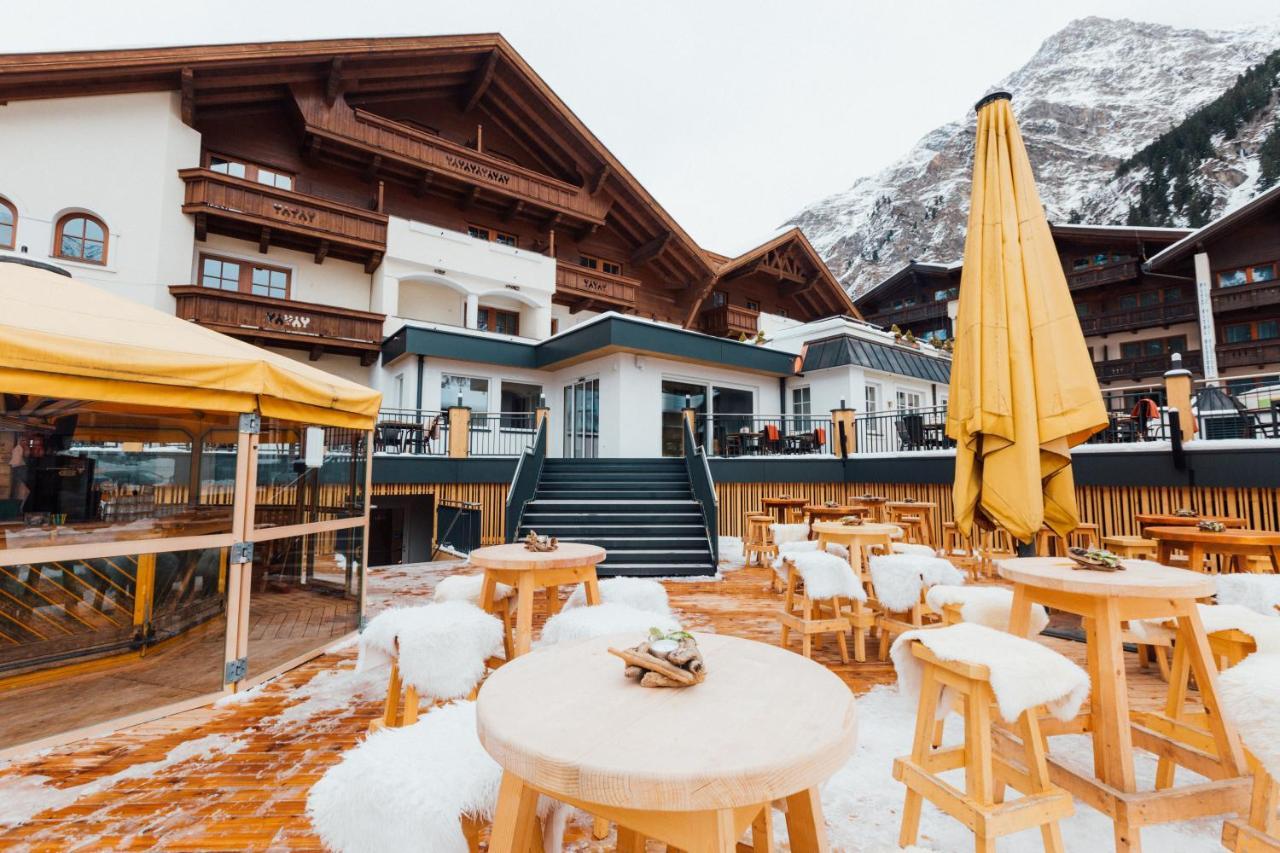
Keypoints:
pixel 1258 592
pixel 984 605
pixel 992 545
pixel 979 668
pixel 639 593
pixel 1250 694
pixel 581 623
pixel 1131 547
pixel 899 583
pixel 911 522
pixel 438 650
pixel 829 586
pixel 468 588
pixel 388 439
pixel 771 439
pixel 758 545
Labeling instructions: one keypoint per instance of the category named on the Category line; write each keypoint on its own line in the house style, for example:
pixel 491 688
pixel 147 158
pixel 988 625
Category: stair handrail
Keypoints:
pixel 525 480
pixel 704 488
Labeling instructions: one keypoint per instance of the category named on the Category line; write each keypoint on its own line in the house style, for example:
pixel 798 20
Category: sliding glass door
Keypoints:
pixel 582 419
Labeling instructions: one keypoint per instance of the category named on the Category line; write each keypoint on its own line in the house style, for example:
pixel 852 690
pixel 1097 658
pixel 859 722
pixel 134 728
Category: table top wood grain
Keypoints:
pixel 1139 579
pixel 514 555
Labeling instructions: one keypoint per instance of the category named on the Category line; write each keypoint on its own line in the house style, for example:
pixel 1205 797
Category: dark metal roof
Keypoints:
pixel 846 349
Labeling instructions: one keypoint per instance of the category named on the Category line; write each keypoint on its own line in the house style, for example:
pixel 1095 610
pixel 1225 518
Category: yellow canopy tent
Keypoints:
pixel 1023 390
pixel 63 338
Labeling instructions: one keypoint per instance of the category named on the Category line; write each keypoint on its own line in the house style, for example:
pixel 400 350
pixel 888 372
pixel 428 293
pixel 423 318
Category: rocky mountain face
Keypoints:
pixel 1094 94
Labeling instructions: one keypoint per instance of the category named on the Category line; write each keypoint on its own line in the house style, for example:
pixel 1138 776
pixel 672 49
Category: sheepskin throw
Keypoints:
pixel 581 623
pixel 1250 693
pixel 1265 630
pixel 467 588
pixel 911 548
pixel 1024 673
pixel 1257 592
pixel 443 652
pixel 408 788
pixel 985 605
pixel 378 639
pixel 899 579
pixel 783 533
pixel 633 592
pixel 826 576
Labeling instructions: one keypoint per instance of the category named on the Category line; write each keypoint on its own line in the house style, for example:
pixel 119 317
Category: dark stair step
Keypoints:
pixel 539 520
pixel 655 570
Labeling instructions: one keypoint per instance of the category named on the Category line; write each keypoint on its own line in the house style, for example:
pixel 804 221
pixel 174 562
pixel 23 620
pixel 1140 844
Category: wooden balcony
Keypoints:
pixel 269 217
pixel 1248 354
pixel 730 321
pixel 1144 367
pixel 1119 271
pixel 1262 294
pixel 581 288
pixel 904 317
pixel 425 158
pixel 263 321
pixel 1138 318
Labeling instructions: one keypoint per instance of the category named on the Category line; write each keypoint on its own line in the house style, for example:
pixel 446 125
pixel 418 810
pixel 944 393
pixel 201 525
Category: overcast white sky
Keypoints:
pixel 733 113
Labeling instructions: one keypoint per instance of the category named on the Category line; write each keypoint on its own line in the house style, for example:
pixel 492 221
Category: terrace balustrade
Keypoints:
pixel 426 432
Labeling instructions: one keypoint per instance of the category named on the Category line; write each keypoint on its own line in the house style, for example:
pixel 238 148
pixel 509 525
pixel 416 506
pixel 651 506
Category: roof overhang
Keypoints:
pixel 1217 228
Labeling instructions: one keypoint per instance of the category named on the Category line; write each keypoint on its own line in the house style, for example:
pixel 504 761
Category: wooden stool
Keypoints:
pixel 1049 543
pixel 959 548
pixel 1261 832
pixel 890 624
pixel 397 710
pixel 1131 547
pixel 912 524
pixel 808 619
pixel 979 805
pixel 992 545
pixel 759 543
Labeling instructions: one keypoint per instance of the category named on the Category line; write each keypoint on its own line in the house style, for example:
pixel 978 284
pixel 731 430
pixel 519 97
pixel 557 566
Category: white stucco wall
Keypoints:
pixel 339 283
pixel 116 156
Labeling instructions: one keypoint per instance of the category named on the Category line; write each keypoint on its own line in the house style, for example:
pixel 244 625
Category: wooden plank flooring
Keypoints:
pixel 249 791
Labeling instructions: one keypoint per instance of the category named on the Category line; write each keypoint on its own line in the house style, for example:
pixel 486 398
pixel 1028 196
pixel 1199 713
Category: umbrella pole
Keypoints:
pixel 1026 549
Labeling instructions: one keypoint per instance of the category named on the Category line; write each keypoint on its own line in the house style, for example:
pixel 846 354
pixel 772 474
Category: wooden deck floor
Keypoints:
pixel 236 776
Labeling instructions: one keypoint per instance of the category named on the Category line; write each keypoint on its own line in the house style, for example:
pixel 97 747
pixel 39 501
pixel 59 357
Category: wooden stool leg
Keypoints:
pixel 515 817
pixel 859 632
pixel 926 712
pixel 805 828
pixel 1038 775
pixel 840 640
pixel 410 715
pixel 788 605
pixel 508 630
pixel 629 841
pixel 806 639
pixel 391 708
pixel 599 828
pixel 762 831
pixel 1263 804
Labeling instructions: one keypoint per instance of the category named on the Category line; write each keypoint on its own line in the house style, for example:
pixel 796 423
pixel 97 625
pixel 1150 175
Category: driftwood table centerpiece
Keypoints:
pixel 1095 559
pixel 534 542
pixel 1184 512
pixel 664 660
pixel 1212 526
pixel 851 520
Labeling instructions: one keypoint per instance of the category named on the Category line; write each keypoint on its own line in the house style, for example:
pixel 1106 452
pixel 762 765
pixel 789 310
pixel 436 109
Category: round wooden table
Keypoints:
pixel 924 509
pixel 1160 519
pixel 822 512
pixel 1105 600
pixel 857 538
pixel 1233 543
pixel 784 508
pixel 526 571
pixel 692 767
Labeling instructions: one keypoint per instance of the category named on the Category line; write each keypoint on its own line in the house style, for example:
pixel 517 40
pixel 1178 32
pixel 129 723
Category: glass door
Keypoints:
pixel 675 395
pixel 582 419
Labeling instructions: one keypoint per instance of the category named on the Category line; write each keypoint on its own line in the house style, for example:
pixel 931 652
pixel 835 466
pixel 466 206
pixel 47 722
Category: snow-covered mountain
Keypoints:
pixel 1094 94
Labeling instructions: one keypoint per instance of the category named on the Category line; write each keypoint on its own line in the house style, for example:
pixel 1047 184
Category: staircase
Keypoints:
pixel 642 511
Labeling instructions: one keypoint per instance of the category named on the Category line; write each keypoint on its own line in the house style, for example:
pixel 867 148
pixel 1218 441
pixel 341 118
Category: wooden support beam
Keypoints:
pixel 264 240
pixel 597 180
pixel 202 226
pixel 336 85
pixel 371 171
pixel 368 357
pixel 587 230
pixel 311 148
pixel 480 83
pixel 469 197
pixel 315 352
pixel 552 221
pixel 187 86
pixel 513 210
pixel 424 183
pixel 375 258
pixel 322 249
pixel 651 249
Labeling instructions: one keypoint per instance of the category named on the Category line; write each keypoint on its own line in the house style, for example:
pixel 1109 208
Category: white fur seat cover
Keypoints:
pixel 378 639
pixel 784 533
pixel 467 588
pixel 1250 693
pixel 985 605
pixel 581 623
pixel 1257 592
pixel 1265 630
pixel 804 546
pixel 826 576
pixel 407 788
pixel 634 592
pixel 443 653
pixel 1024 673
pixel 912 548
pixel 898 579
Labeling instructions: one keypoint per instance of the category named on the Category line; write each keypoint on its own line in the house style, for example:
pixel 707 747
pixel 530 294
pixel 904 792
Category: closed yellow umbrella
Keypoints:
pixel 1023 391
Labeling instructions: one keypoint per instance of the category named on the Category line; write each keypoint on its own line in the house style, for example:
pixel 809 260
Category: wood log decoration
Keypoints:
pixel 1184 512
pixel 1212 526
pixel 664 660
pixel 851 520
pixel 534 542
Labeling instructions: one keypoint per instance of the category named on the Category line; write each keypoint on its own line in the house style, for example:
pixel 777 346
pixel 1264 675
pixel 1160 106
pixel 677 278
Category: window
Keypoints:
pixel 1262 330
pixel 872 397
pixel 497 320
pixel 1079 263
pixel 81 237
pixel 782 312
pixel 1173 294
pixel 243 276
pixel 397 387
pixel 238 168
pixel 1268 329
pixel 591 262
pixel 909 399
pixel 1127 302
pixel 752 305
pixel 1153 347
pixel 1082 309
pixel 492 235
pixel 464 391
pixel 718 298
pixel 946 294
pixel 519 401
pixel 8 224
pixel 555 325
pixel 1149 298
pixel 1246 275
pixel 1238 333
pixel 801 401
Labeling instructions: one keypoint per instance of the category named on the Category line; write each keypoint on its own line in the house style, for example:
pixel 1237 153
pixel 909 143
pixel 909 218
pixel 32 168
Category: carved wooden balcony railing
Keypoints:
pixel 1248 354
pixel 1138 318
pixel 385 141
pixel 904 317
pixel 1144 366
pixel 1260 294
pixel 263 320
pixel 730 321
pixel 269 216
pixel 1119 271
pixel 580 287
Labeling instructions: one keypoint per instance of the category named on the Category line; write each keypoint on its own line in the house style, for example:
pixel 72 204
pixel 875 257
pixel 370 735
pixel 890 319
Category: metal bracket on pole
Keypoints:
pixel 251 423
pixel 241 552
pixel 235 670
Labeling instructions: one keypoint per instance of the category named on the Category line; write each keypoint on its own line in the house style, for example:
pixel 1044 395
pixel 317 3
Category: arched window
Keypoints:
pixel 8 224
pixel 81 237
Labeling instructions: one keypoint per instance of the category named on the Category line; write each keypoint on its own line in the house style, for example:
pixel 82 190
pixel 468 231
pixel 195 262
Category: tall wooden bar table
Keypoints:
pixel 692 767
pixel 516 566
pixel 785 509
pixel 1105 600
pixel 857 538
pixel 1232 543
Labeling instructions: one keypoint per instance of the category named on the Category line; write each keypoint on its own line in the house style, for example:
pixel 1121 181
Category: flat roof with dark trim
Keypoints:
pixel 846 349
pixel 590 340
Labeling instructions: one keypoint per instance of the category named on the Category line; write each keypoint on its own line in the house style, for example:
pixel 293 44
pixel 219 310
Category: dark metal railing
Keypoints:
pixel 525 481
pixel 422 432
pixel 765 435
pixel 1237 407
pixel 501 433
pixel 896 430
pixel 704 488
